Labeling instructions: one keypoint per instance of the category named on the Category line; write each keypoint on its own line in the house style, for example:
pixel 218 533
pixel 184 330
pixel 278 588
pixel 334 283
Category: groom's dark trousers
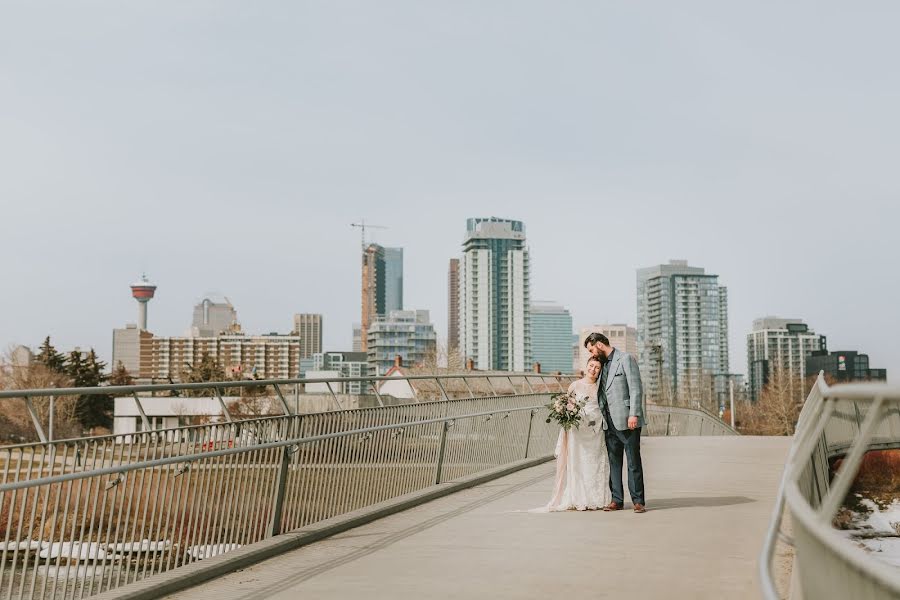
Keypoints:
pixel 627 443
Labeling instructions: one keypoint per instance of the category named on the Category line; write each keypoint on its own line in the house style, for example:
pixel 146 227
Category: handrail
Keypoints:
pixel 813 506
pixel 215 388
pixel 163 387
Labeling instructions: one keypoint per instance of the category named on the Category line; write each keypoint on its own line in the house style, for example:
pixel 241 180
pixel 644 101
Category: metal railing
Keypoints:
pixel 842 420
pixel 83 516
pixel 421 387
pixel 671 420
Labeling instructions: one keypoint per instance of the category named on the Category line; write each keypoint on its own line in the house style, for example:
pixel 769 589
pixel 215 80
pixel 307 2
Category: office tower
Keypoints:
pixel 408 334
pixel 494 296
pixel 308 327
pixel 551 337
pixel 682 329
pixel 453 308
pixel 382 284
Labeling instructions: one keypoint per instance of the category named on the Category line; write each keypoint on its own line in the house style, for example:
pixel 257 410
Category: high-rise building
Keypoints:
pixel 393 280
pixel 843 366
pixel 405 333
pixel 308 327
pixel 212 318
pixel 453 307
pixel 494 296
pixel 551 337
pixel 382 284
pixel 780 346
pixel 682 328
pixel 620 335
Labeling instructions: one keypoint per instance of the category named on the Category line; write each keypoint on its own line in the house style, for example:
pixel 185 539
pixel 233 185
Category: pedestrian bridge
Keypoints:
pixel 430 498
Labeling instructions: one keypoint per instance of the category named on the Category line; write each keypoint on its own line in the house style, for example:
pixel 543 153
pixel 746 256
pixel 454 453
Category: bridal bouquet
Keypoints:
pixel 565 410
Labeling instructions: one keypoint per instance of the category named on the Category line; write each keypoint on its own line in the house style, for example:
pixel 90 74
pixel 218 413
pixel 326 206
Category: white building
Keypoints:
pixel 494 296
pixel 408 334
pixel 780 345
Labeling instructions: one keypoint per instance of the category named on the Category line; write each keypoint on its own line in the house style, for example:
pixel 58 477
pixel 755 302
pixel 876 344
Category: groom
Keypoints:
pixel 621 399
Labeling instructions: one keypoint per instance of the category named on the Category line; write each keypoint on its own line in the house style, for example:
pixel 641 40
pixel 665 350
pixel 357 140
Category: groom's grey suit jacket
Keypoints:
pixel 623 392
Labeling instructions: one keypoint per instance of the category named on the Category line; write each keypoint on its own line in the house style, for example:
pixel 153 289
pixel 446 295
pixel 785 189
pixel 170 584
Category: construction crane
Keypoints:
pixel 362 225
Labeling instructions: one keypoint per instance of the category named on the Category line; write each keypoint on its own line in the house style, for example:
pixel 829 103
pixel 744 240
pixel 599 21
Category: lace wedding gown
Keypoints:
pixel 582 465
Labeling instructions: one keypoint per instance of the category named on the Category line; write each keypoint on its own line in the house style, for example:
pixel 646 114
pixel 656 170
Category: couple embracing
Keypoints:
pixel 589 458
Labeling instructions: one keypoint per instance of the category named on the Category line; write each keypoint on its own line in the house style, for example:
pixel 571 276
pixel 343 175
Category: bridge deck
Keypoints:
pixel 709 500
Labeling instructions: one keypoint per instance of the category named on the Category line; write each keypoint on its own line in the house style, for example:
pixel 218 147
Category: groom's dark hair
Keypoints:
pixel 596 337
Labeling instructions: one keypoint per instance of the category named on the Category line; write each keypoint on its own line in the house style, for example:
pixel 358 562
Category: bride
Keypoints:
pixel 582 465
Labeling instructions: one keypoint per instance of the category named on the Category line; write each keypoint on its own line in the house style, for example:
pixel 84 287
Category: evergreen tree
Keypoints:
pixel 120 375
pixel 93 410
pixel 208 369
pixel 50 358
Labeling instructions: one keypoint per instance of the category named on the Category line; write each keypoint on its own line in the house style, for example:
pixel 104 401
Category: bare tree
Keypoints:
pixel 778 407
pixel 15 421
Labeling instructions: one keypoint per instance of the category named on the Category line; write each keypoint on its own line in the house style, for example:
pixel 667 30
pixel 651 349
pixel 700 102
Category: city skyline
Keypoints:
pixel 781 184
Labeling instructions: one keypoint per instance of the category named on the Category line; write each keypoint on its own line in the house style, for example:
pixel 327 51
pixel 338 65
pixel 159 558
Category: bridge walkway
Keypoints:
pixel 709 501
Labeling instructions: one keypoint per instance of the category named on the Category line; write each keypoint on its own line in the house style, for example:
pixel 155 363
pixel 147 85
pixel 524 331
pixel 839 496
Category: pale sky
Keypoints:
pixel 227 146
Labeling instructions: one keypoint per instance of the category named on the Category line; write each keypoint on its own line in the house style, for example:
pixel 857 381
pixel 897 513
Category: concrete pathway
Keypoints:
pixel 709 501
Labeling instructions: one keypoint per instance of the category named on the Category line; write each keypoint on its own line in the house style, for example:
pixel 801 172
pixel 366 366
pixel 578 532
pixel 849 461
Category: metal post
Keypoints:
pixel 284 406
pixel 50 428
pixel 35 421
pixel 528 383
pixel 443 391
pixel 668 419
pixel 491 385
pixel 731 395
pixel 140 408
pixel 466 383
pixel 280 488
pixel 222 404
pixel 440 459
pixel 528 437
pixel 334 396
pixel 377 394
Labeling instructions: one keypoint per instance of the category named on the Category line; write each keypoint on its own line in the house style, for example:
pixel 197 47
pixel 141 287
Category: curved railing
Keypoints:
pixel 843 420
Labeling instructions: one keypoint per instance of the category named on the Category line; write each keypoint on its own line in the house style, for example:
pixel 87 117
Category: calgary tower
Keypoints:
pixel 143 291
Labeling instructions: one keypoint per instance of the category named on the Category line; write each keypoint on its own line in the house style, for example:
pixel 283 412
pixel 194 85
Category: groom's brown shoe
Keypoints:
pixel 639 508
pixel 612 506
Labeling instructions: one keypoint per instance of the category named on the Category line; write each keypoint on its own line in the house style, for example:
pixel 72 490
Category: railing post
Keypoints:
pixel 222 404
pixel 280 487
pixel 284 405
pixel 293 432
pixel 443 448
pixel 668 419
pixel 443 391
pixel 140 407
pixel 466 383
pixel 528 437
pixel 34 420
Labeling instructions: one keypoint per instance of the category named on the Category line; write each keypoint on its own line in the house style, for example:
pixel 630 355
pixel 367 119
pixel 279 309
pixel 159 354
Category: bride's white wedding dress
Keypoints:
pixel 582 465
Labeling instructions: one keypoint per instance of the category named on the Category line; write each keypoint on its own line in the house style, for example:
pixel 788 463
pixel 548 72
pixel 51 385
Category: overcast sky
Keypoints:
pixel 227 146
